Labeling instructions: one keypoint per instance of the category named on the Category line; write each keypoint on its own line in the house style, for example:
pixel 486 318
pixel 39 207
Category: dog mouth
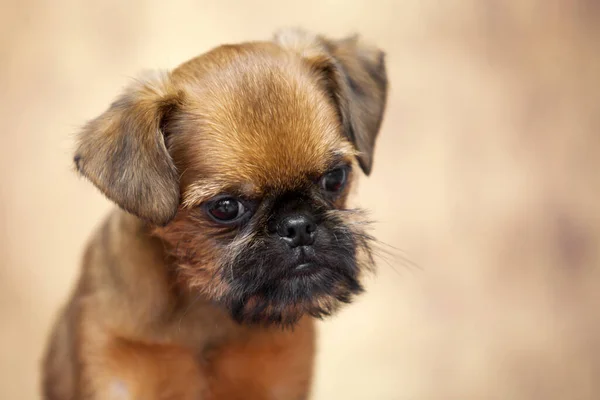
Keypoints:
pixel 307 288
pixel 305 263
pixel 305 270
pixel 272 284
pixel 304 267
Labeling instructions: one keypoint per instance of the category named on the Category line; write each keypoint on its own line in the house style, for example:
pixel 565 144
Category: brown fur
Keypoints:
pixel 250 119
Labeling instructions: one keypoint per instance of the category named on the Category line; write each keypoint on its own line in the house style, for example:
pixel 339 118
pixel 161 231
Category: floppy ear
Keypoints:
pixel 123 152
pixel 355 76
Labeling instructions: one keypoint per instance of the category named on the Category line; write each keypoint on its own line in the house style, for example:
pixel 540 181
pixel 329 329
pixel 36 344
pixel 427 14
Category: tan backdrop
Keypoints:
pixel 487 176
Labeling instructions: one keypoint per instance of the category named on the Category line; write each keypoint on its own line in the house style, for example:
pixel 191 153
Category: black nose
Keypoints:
pixel 297 230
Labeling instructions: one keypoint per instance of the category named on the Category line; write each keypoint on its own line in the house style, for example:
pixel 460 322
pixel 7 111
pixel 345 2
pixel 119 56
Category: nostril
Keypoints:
pixel 310 228
pixel 291 232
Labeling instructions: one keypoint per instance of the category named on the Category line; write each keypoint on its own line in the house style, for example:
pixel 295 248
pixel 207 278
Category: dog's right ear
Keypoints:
pixel 123 152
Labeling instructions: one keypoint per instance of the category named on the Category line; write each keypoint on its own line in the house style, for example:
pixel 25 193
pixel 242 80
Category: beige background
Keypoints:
pixel 487 176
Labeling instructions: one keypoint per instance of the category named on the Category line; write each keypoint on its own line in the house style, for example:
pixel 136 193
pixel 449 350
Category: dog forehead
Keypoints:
pixel 260 117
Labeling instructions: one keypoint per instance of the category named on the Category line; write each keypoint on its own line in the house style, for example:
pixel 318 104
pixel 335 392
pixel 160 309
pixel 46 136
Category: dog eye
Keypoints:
pixel 334 181
pixel 226 210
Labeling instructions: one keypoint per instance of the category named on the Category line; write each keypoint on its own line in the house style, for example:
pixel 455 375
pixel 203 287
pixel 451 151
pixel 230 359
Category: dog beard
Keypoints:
pixel 266 288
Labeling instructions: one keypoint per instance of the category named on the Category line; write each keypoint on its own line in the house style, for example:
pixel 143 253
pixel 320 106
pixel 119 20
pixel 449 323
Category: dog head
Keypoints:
pixel 242 159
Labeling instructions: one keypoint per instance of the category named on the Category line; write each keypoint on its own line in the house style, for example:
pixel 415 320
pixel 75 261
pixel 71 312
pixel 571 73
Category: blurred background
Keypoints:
pixel 487 176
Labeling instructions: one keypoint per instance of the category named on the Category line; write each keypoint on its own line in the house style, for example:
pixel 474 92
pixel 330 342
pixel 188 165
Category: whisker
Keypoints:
pixel 393 259
pixel 398 253
pixel 378 249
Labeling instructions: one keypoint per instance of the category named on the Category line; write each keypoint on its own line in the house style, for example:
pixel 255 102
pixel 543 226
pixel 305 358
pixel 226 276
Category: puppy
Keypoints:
pixel 231 174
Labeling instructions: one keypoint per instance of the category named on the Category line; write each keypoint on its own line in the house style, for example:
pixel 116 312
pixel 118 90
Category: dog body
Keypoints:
pixel 233 172
pixel 128 334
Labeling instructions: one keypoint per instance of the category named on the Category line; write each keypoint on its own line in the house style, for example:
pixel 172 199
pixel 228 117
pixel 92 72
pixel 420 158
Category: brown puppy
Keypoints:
pixel 233 171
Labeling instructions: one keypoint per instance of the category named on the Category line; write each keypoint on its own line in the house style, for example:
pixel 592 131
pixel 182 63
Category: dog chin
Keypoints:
pixel 309 291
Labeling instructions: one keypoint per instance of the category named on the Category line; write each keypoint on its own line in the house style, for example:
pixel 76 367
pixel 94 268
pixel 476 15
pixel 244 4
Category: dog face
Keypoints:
pixel 242 160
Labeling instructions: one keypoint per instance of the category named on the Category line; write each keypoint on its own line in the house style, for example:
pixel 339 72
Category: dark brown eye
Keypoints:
pixel 334 181
pixel 226 210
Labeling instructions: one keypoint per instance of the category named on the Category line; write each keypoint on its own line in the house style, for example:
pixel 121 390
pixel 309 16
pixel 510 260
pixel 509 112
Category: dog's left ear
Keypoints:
pixel 123 152
pixel 355 76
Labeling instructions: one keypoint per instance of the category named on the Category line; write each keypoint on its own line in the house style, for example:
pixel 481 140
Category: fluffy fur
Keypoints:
pixel 198 301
